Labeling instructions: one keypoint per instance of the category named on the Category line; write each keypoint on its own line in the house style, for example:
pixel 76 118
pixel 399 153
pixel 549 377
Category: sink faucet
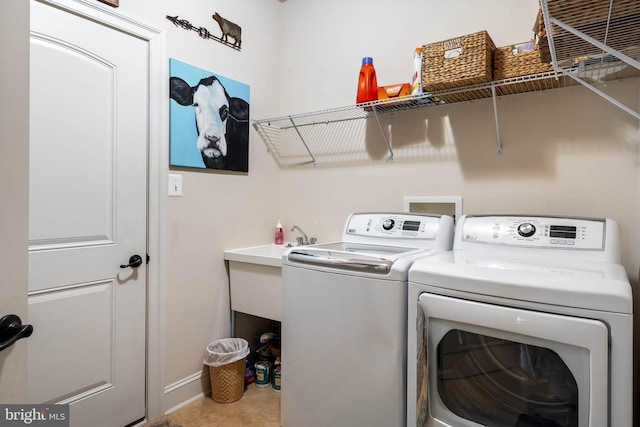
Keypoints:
pixel 304 240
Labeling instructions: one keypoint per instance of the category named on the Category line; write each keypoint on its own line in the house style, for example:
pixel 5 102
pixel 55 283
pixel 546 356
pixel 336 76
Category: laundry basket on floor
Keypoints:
pixel 226 359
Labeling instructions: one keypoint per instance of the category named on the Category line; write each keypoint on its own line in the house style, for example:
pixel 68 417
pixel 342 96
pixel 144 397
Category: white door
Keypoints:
pixel 87 216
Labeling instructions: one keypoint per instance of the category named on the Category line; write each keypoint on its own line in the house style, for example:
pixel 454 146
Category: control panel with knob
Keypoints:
pixel 526 229
pixel 393 225
pixel 534 231
pixel 388 224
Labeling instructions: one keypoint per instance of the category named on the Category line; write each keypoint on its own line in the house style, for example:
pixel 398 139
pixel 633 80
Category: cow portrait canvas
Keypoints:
pixel 208 119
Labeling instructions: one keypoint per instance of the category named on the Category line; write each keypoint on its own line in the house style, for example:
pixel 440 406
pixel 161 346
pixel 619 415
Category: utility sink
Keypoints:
pixel 270 254
pixel 255 280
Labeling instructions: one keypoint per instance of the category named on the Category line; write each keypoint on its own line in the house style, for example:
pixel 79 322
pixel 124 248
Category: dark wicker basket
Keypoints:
pixel 473 66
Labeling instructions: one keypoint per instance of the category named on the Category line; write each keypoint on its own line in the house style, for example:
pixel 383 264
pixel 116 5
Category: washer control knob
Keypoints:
pixel 388 224
pixel 526 229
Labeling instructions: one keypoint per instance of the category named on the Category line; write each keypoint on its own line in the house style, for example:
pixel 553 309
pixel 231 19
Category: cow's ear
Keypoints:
pixel 239 108
pixel 180 91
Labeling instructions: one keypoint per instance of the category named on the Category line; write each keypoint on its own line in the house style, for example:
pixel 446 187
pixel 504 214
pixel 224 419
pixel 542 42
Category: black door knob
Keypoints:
pixel 134 261
pixel 12 329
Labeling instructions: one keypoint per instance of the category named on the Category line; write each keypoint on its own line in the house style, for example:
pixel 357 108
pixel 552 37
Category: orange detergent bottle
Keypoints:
pixel 367 82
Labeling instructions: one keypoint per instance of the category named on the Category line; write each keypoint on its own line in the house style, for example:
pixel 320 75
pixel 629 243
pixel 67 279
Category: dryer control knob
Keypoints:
pixel 388 224
pixel 526 229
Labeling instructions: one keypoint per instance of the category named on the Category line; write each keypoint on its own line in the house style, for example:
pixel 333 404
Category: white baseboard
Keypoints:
pixel 185 391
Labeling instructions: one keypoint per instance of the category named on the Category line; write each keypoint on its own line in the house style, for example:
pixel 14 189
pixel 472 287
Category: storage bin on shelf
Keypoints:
pixel 462 61
pixel 525 59
pixel 509 63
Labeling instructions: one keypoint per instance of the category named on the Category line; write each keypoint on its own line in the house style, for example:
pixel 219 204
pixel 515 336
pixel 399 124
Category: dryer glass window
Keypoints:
pixel 496 382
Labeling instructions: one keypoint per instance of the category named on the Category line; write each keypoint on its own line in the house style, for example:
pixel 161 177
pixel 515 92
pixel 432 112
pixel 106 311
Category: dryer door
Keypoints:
pixel 495 365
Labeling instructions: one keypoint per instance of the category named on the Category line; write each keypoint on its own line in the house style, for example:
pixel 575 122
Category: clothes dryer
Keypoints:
pixel 344 320
pixel 527 322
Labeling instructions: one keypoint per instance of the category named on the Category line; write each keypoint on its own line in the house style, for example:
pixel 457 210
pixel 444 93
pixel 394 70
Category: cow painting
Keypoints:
pixel 219 124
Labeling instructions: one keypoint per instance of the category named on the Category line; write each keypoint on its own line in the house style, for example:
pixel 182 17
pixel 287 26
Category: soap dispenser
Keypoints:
pixel 279 238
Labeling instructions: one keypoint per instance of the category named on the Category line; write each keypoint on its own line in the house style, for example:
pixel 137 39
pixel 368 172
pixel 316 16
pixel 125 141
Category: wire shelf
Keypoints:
pixel 536 82
pixel 335 135
pixel 590 41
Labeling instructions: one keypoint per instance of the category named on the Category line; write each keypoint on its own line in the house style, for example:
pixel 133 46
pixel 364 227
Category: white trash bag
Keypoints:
pixel 225 351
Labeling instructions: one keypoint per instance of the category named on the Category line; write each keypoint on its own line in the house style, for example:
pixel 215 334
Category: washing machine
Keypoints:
pixel 527 322
pixel 344 320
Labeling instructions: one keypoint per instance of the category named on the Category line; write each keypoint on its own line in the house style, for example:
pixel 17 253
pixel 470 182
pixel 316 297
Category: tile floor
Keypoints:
pixel 257 407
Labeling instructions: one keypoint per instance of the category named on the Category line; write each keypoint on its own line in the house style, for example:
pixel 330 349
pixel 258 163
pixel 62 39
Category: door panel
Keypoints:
pixel 86 148
pixel 87 216
pixel 91 321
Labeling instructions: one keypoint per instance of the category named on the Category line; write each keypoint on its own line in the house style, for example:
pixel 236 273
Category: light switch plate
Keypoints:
pixel 175 185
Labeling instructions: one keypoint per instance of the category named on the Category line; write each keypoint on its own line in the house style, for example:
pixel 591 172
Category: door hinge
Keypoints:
pixel 148 258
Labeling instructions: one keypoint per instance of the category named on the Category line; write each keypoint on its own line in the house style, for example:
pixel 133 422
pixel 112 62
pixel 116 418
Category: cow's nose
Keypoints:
pixel 213 139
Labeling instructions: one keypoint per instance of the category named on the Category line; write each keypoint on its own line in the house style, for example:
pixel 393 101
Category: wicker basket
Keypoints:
pixel 227 381
pixel 507 64
pixel 474 64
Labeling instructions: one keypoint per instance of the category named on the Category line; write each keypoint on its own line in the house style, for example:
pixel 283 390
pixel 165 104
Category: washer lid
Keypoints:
pixel 351 256
pixel 390 252
pixel 568 283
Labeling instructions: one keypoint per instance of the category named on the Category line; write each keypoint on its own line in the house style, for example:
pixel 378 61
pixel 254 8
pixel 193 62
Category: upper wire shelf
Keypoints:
pixel 327 134
pixel 535 82
pixel 590 41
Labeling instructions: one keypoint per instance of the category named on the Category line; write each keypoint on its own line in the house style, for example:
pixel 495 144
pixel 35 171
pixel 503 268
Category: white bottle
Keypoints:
pixel 416 78
pixel 279 237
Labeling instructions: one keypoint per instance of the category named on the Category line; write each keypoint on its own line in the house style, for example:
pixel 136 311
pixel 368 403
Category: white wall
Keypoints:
pixel 219 210
pixel 566 152
pixel 323 42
